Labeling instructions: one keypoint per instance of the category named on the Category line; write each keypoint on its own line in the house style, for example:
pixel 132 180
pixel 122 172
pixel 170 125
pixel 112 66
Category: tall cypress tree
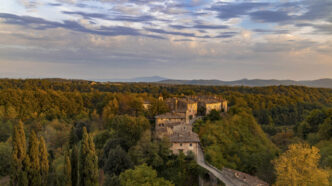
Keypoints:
pixel 33 152
pixel 44 164
pixel 88 161
pixel 18 155
pixel 67 171
pixel 74 166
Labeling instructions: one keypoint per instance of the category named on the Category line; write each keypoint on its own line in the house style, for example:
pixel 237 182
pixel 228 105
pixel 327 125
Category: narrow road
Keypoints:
pixel 221 175
pixel 228 176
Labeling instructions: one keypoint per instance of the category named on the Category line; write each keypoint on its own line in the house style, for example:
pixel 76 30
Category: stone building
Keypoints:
pixel 170 117
pixel 184 140
pixel 183 105
pixel 212 104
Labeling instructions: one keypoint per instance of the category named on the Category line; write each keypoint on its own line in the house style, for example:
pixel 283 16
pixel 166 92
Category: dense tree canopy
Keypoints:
pixel 142 175
pixel 54 114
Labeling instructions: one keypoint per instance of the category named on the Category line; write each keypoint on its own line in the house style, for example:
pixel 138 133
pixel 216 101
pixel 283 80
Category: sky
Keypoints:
pixel 178 39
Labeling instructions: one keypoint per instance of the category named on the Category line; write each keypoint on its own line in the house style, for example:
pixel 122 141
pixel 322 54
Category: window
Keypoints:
pixel 181 144
pixel 191 144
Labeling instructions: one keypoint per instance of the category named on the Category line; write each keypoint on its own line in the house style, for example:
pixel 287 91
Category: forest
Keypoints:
pixel 77 132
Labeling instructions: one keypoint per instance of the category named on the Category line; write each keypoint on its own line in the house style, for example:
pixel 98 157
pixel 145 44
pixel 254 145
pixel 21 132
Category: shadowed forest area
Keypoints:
pixel 76 132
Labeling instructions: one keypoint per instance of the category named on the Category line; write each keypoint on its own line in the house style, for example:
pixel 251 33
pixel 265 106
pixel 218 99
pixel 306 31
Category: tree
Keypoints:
pixel 110 109
pixel 146 151
pixel 5 151
pixel 88 168
pixel 67 171
pixel 44 164
pixel 129 128
pixel 34 175
pixel 157 107
pixel 214 115
pixel 142 175
pixel 117 161
pixel 74 166
pixel 5 130
pixel 299 166
pixel 18 154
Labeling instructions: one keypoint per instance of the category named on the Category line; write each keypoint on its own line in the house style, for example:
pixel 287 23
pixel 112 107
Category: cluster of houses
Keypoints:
pixel 176 125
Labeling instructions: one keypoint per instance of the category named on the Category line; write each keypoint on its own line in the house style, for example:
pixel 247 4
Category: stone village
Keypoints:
pixel 176 125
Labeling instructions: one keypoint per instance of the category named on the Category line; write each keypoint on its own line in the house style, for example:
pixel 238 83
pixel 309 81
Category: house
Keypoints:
pixel 212 104
pixel 189 106
pixel 184 140
pixel 183 105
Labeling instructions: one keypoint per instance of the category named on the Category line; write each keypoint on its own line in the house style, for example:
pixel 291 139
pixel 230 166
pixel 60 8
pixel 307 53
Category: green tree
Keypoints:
pixel 117 161
pixel 5 151
pixel 88 168
pixel 44 164
pixel 146 151
pixel 5 130
pixel 18 154
pixel 67 171
pixel 299 166
pixel 34 175
pixel 129 128
pixel 74 166
pixel 142 175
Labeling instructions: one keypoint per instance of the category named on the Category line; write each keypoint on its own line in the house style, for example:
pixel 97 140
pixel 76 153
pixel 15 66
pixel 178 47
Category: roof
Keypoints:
pixel 171 115
pixel 183 137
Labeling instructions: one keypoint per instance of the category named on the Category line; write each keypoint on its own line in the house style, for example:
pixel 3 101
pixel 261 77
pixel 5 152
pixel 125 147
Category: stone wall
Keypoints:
pixel 212 106
pixel 160 121
pixel 185 147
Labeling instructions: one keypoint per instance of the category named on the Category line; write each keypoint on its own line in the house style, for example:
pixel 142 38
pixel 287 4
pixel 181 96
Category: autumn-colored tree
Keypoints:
pixel 34 175
pixel 299 166
pixel 67 171
pixel 74 166
pixel 142 175
pixel 44 164
pixel 110 109
pixel 88 166
pixel 18 154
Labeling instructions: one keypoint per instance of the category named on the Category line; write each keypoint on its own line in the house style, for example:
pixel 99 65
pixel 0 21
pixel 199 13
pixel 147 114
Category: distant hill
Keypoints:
pixel 138 79
pixel 321 83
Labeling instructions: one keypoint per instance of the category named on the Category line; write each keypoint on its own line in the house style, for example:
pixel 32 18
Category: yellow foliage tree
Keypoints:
pixel 299 166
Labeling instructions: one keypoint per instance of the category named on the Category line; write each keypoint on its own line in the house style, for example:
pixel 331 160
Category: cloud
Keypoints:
pixel 200 26
pixel 54 4
pixel 143 18
pixel 270 16
pixel 271 31
pixel 233 10
pixel 216 39
pixel 42 24
pixel 161 31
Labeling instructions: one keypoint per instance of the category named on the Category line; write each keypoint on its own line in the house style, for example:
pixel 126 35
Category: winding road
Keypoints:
pixel 228 176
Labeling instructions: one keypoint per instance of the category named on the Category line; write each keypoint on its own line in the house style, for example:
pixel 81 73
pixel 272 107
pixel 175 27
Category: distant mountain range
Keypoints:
pixel 322 83
pixel 138 79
